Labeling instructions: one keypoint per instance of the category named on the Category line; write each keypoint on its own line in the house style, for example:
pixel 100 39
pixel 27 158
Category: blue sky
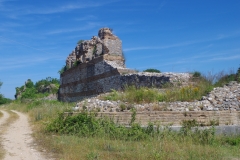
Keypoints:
pixel 169 35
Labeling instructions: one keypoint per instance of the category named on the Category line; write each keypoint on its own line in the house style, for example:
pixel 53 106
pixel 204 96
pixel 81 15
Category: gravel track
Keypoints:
pixel 17 140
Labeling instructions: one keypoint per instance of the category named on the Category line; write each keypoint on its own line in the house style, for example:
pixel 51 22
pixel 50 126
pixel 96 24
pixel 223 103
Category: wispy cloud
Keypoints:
pixel 87 27
pixel 162 4
pixel 4 39
pixel 21 62
pixel 221 37
pixel 14 12
pixel 88 17
pixel 161 47
pixel 200 58
pixel 63 8
pixel 225 58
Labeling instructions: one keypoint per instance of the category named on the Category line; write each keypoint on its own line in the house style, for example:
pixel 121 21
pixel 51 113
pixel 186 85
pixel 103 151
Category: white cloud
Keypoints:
pixel 15 11
pixel 88 26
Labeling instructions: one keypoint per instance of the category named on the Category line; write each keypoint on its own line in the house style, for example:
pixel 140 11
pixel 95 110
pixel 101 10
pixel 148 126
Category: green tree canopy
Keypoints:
pixel 29 83
pixel 2 99
pixel 152 70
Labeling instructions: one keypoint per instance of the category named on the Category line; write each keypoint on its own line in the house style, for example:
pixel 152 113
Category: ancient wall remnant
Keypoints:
pixel 105 43
pixel 101 68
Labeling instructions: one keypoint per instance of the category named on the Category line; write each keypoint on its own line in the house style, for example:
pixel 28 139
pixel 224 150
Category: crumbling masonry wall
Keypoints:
pixel 101 68
pixel 100 76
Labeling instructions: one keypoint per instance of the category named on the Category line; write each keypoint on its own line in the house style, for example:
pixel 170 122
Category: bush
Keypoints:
pixel 76 63
pixel 87 125
pixel 238 75
pixel 29 84
pixel 197 74
pixel 29 93
pixel 225 79
pixel 4 100
pixel 152 70
pixel 63 69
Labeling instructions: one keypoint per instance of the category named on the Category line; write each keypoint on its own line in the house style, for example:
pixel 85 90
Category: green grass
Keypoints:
pixel 131 94
pixel 85 137
pixel 199 86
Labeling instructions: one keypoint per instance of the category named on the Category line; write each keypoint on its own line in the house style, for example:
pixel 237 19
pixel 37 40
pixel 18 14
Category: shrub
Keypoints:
pixel 29 84
pixel 63 69
pixel 29 93
pixel 238 75
pixel 76 63
pixel 152 70
pixel 4 100
pixel 196 74
pixel 86 125
pixel 80 41
pixel 225 79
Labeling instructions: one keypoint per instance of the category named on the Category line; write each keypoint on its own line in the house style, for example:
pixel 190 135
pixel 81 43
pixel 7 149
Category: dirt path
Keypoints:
pixel 17 140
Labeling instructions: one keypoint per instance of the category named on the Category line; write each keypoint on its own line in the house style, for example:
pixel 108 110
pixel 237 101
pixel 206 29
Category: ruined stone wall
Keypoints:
pixel 105 73
pixel 97 66
pixel 106 43
pixel 87 79
pixel 114 46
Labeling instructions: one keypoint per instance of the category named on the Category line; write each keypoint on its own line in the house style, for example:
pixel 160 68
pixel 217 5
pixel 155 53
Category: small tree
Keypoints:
pixel 29 84
pixel 197 74
pixel 80 41
pixel 0 84
pixel 152 70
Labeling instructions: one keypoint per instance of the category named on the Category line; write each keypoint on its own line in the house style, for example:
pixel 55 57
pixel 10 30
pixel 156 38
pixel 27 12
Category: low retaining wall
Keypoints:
pixel 173 118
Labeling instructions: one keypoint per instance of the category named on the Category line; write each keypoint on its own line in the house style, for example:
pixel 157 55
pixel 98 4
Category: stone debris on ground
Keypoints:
pixel 219 99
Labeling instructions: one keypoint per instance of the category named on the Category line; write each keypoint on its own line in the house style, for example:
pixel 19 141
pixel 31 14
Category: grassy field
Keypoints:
pixel 93 139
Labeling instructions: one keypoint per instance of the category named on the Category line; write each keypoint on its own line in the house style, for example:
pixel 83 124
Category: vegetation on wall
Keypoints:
pixel 63 69
pixel 152 70
pixel 200 86
pixel 80 41
pixel 226 78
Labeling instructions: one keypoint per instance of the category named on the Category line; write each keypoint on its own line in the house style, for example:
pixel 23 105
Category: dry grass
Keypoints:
pixel 1 114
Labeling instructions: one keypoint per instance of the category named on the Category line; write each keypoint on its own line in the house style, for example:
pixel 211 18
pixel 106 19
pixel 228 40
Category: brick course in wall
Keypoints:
pixel 173 118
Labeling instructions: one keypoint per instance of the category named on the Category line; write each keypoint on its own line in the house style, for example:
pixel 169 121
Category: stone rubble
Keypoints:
pixel 220 99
